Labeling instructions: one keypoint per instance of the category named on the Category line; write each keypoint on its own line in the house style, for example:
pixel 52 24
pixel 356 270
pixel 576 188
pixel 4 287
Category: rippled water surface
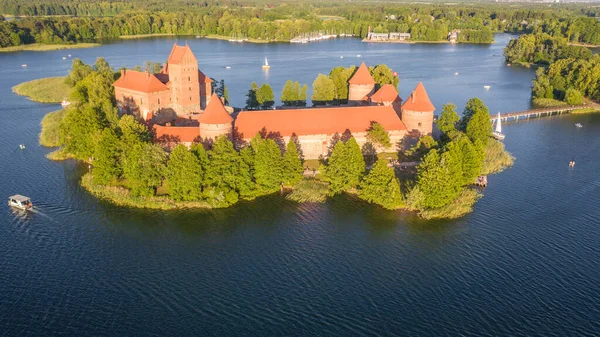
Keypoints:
pixel 525 262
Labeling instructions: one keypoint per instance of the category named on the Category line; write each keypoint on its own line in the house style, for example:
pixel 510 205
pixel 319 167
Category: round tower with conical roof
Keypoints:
pixel 215 121
pixel 417 111
pixel 361 86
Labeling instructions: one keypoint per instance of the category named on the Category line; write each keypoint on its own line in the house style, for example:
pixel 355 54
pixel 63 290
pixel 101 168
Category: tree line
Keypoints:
pixel 89 20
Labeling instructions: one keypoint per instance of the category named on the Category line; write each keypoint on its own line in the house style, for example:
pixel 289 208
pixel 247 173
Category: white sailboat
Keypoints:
pixel 498 132
pixel 266 65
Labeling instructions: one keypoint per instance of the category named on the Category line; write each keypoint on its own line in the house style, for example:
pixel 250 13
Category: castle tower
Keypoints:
pixel 190 88
pixel 361 85
pixel 417 111
pixel 215 121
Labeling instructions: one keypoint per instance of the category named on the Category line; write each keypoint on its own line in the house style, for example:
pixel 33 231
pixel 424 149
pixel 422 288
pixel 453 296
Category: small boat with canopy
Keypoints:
pixel 20 201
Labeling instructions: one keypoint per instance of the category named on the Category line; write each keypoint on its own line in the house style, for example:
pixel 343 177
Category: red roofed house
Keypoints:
pixel 417 111
pixel 179 89
pixel 361 85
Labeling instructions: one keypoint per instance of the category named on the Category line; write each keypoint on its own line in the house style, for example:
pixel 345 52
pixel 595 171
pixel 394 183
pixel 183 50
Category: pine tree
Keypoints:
pixel 268 171
pixel 251 100
pixel 144 168
pixel 381 186
pixel 184 175
pixel 376 134
pixel 292 164
pixel 106 158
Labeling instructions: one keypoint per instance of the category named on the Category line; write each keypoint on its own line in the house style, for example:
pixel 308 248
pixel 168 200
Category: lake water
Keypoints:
pixel 525 262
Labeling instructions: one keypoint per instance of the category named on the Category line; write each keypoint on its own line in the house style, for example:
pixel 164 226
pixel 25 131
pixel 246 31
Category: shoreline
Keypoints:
pixel 47 47
pixel 46 90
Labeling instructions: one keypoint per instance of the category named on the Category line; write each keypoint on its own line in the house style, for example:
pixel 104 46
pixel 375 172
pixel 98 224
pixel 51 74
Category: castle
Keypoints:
pixel 181 94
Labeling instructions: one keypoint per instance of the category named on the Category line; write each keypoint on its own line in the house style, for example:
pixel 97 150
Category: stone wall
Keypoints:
pixel 358 91
pixel 418 121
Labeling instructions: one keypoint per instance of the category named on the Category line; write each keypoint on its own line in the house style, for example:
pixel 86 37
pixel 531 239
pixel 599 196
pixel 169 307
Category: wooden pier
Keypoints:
pixel 537 113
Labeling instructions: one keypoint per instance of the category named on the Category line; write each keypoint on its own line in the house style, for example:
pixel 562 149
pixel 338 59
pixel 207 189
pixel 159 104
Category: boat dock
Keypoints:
pixel 537 113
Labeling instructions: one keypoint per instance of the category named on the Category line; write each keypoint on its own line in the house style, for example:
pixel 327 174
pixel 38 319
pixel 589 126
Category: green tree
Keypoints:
pixel 265 97
pixel 345 167
pixel 473 105
pixel 433 181
pixel 384 75
pixel 152 67
pixel 184 175
pixel 132 133
pixel 288 95
pixel 448 119
pixel 340 77
pixel 376 134
pixel 107 166
pixel 144 169
pixel 479 126
pixel 222 177
pixel 381 187
pixel 292 164
pixel 78 72
pixel 323 90
pixel 251 99
pixel 573 97
pixel 268 169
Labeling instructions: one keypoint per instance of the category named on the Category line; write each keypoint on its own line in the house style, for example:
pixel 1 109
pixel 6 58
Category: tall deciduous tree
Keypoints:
pixel 448 119
pixel 340 77
pixel 184 175
pixel 107 165
pixel 144 168
pixel 479 126
pixel 380 186
pixel 265 97
pixel 222 176
pixel 323 90
pixel 473 105
pixel 382 75
pixel 437 190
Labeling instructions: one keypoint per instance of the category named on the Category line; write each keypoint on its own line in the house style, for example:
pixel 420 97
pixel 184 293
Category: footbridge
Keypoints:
pixel 537 113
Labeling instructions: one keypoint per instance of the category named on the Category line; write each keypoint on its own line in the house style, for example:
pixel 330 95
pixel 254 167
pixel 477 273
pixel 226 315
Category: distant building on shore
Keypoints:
pixel 194 115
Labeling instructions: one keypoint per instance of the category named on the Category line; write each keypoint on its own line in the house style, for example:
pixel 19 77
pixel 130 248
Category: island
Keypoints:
pixel 164 137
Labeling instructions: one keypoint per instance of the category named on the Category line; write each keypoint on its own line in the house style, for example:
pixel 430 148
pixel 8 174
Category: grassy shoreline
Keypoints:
pixel 143 36
pixel 44 90
pixel 49 136
pixel 47 47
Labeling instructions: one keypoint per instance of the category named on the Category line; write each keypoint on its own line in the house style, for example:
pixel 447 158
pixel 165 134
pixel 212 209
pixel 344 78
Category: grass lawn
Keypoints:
pixel 47 47
pixel 44 90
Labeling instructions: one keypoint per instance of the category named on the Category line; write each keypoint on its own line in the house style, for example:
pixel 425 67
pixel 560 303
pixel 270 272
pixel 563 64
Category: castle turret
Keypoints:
pixel 417 111
pixel 361 85
pixel 215 121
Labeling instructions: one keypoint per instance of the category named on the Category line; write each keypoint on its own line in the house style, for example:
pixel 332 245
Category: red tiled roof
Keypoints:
pixel 177 53
pixel 139 81
pixel 387 93
pixel 317 121
pixel 362 76
pixel 215 112
pixel 186 134
pixel 418 100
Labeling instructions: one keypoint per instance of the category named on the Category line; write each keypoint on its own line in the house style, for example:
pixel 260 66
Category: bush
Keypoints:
pixel 496 158
pixel 309 190
pixel 459 207
pixel 49 137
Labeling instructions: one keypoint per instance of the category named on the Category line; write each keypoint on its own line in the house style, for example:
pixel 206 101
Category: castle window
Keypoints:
pixel 190 88
pixel 419 124
pixel 190 98
pixel 141 101
pixel 159 101
pixel 189 79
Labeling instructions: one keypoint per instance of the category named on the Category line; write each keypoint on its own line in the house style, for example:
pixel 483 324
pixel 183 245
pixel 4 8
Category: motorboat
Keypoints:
pixel 486 87
pixel 20 201
pixel 578 125
pixel 23 65
pixel 227 67
pixel 65 103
